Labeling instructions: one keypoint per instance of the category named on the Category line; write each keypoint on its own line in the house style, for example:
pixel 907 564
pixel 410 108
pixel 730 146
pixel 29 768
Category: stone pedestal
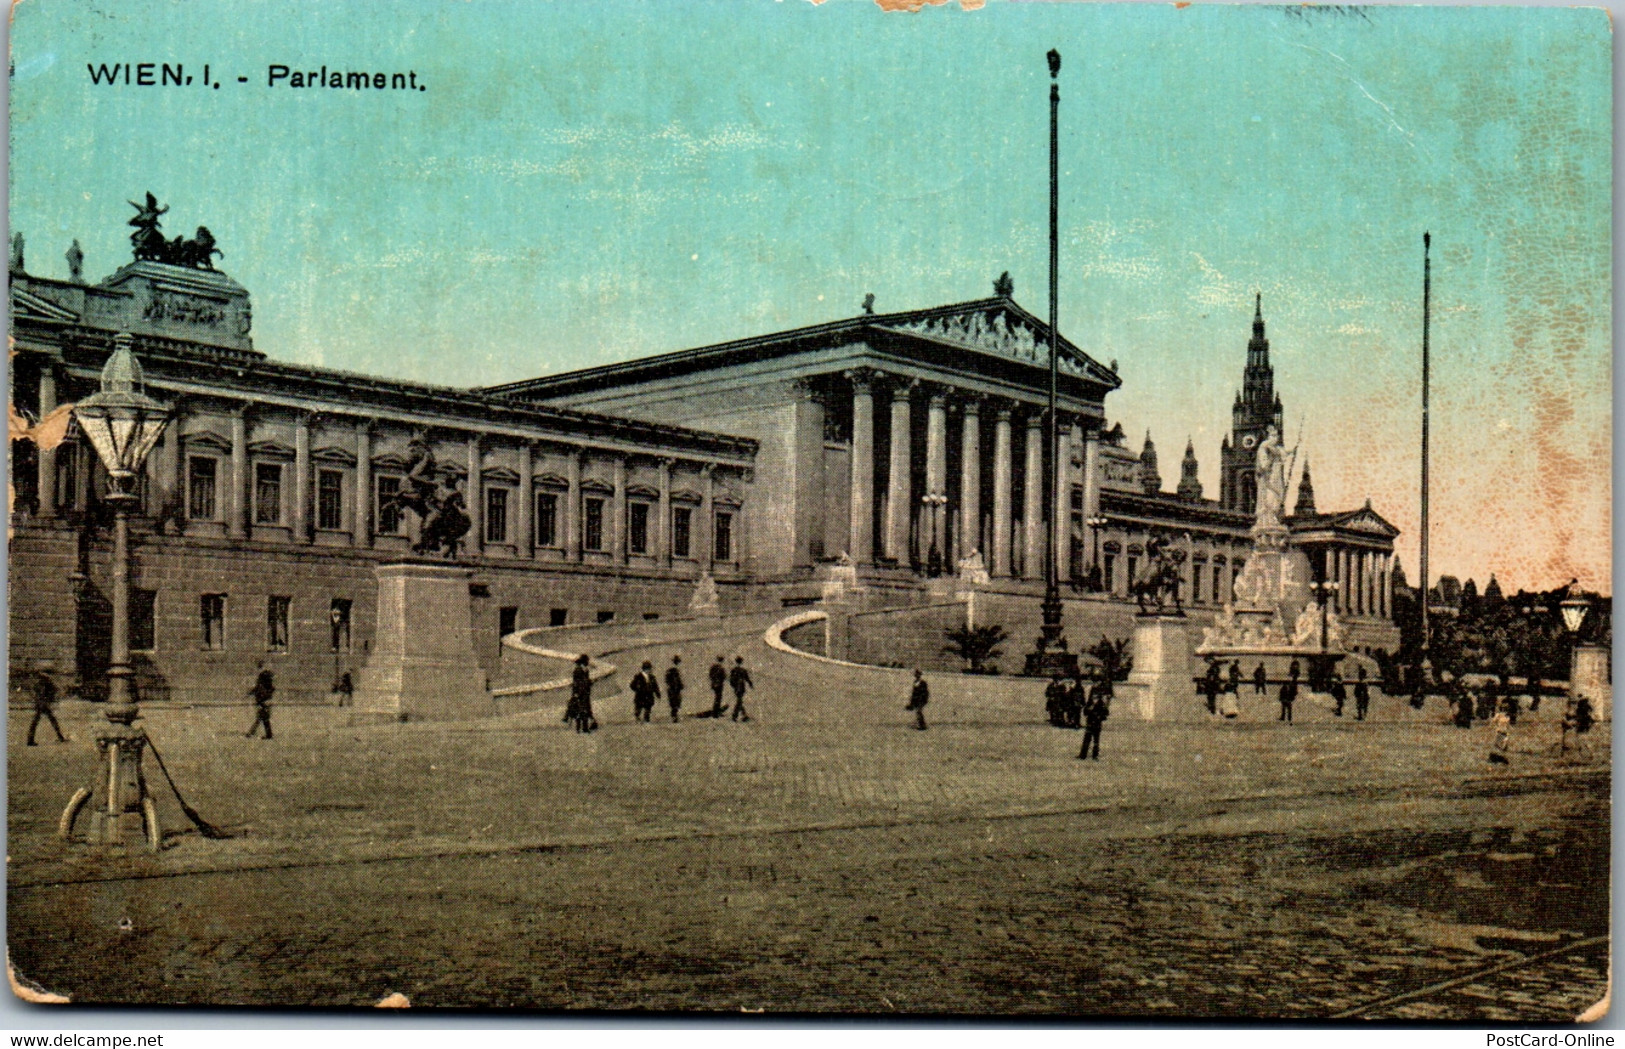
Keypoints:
pixel 1160 684
pixel 1592 679
pixel 705 603
pixel 422 665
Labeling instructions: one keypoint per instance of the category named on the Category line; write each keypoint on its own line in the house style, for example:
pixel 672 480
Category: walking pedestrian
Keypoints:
pixel 1362 696
pixel 918 699
pixel 674 687
pixel 1260 680
pixel 579 711
pixel 645 690
pixel 1235 677
pixel 1055 701
pixel 344 689
pixel 1339 694
pixel 44 689
pixel 719 681
pixel 1211 686
pixel 1077 694
pixel 1289 693
pixel 739 680
pixel 1095 712
pixel 264 688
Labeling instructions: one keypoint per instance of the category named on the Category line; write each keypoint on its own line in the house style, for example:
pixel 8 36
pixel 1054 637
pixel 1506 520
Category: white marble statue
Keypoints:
pixel 1271 480
pixel 972 570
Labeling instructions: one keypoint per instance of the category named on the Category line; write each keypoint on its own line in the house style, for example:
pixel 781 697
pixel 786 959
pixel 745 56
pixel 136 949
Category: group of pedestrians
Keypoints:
pixel 1221 690
pixel 646 689
pixel 1077 704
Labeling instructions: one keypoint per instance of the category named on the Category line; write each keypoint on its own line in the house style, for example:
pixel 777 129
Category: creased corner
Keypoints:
pixel 29 991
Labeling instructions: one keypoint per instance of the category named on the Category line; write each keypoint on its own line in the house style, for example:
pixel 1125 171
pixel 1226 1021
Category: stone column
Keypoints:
pixel 663 525
pixel 1387 586
pixel 936 471
pixel 1340 562
pixel 970 483
pixel 361 525
pixel 45 460
pixel 1061 528
pixel 1003 492
pixel 708 522
pixel 175 467
pixel 526 544
pixel 237 504
pixel 474 496
pixel 572 508
pixel 861 537
pixel 899 500
pixel 1032 566
pixel 617 523
pixel 301 479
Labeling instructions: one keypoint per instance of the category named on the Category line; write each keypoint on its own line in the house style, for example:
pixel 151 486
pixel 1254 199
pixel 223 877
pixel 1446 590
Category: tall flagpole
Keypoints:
pixel 1427 292
pixel 1052 656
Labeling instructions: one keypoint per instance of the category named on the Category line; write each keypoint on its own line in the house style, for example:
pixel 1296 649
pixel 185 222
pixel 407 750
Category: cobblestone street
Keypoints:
pixel 794 865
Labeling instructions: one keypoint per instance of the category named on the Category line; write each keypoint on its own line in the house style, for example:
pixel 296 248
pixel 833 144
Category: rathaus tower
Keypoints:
pixel 1257 407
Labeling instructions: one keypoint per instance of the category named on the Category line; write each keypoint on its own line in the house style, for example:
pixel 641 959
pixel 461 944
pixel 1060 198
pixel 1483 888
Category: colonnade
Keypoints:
pixel 1364 581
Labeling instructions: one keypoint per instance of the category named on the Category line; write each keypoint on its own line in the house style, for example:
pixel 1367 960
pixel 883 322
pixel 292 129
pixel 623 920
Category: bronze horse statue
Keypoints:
pixel 442 515
pixel 1159 584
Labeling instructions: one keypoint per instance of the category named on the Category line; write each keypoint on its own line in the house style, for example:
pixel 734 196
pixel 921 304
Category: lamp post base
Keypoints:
pixel 125 814
pixel 1051 656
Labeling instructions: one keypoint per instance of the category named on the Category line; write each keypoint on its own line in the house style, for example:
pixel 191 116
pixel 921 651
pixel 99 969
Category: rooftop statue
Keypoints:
pixel 147 243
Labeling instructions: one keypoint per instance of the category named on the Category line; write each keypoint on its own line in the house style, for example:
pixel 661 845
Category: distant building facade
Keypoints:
pixel 902 444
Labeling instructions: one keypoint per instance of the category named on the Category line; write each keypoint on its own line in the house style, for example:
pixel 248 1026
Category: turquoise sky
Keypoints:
pixel 583 183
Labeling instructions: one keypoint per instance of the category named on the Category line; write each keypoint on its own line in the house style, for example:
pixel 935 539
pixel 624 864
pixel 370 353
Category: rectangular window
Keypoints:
pixel 213 608
pixel 387 514
pixel 605 616
pixel 682 522
pixel 267 493
pixel 547 519
pixel 338 617
pixel 1218 584
pixel 638 528
pixel 200 472
pixel 276 623
pixel 1108 570
pixel 558 616
pixel 507 620
pixel 724 537
pixel 1133 567
pixel 67 478
pixel 496 515
pixel 1196 584
pixel 143 620
pixel 329 499
pixel 593 539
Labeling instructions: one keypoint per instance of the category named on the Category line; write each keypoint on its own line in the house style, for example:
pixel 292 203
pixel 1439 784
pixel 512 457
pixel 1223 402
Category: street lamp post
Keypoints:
pixel 1096 583
pixel 122 423
pixel 1574 611
pixel 1324 590
pixel 933 558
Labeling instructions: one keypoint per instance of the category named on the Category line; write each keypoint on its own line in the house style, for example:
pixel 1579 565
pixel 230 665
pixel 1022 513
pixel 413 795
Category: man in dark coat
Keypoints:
pixel 674 686
pixel 1235 677
pixel 1260 680
pixel 1362 696
pixel 739 680
pixel 1077 696
pixel 264 688
pixel 580 708
pixel 1095 712
pixel 1211 686
pixel 918 699
pixel 719 681
pixel 1055 701
pixel 1339 694
pixel 44 689
pixel 1289 693
pixel 645 690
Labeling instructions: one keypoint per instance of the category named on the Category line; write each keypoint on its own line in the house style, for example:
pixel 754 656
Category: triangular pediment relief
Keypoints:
pixel 27 304
pixel 1003 331
pixel 686 495
pixel 389 461
pixel 550 480
pixel 500 475
pixel 642 491
pixel 1367 521
pixel 205 440
pixel 333 456
pixel 727 498
pixel 593 484
pixel 270 450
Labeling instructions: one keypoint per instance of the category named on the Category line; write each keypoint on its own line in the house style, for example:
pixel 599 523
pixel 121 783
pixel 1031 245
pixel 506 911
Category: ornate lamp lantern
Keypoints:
pixel 1574 611
pixel 122 423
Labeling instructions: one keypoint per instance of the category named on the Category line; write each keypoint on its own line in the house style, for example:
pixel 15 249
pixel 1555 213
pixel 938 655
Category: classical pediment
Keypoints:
pixel 1364 520
pixel 686 495
pixel 270 450
pixel 205 440
pixel 500 475
pixel 593 484
pixel 27 304
pixel 1002 330
pixel 333 456
pixel 551 481
pixel 642 491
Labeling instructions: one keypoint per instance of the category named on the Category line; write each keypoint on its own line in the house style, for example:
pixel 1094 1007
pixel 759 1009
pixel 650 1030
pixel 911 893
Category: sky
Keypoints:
pixel 582 183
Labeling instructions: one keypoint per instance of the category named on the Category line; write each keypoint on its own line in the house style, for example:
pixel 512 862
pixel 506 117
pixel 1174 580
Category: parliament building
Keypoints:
pixel 905 447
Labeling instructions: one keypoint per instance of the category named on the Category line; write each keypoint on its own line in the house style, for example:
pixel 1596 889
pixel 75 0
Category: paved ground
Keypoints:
pixel 827 857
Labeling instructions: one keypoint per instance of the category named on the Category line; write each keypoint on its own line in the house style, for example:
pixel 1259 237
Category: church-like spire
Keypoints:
pixel 1150 479
pixel 1306 493
pixel 1190 486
